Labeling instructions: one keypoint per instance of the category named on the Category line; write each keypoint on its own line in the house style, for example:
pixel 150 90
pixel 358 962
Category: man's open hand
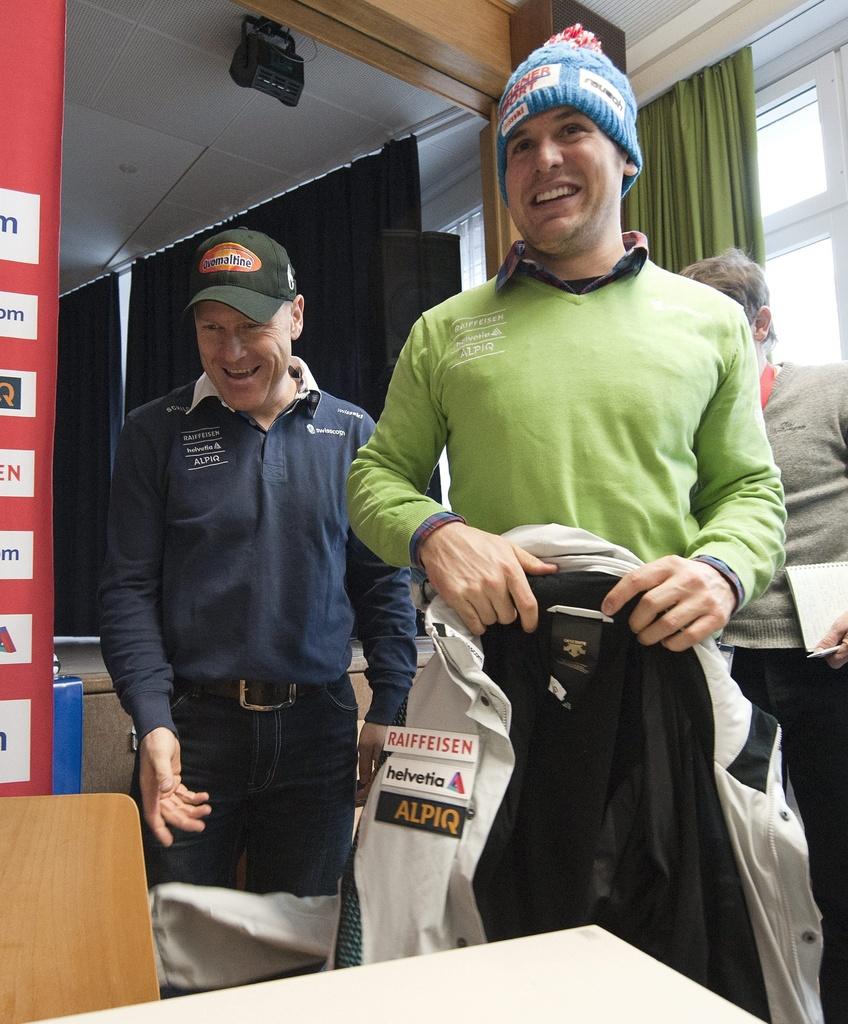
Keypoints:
pixel 164 798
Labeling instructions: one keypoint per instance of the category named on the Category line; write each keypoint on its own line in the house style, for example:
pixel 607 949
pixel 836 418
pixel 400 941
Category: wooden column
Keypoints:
pixel 498 226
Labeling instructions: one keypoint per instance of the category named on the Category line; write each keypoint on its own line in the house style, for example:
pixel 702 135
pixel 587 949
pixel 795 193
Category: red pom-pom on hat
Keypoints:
pixel 577 37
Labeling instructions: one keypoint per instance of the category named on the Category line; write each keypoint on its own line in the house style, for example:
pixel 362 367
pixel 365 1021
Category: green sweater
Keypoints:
pixel 631 411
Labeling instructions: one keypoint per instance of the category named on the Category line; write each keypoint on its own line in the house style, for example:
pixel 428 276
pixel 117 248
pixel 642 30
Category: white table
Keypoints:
pixel 579 975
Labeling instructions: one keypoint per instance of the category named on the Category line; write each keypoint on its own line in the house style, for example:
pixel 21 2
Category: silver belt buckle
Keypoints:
pixel 245 703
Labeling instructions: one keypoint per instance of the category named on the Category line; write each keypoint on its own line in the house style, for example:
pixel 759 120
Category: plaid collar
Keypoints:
pixel 635 254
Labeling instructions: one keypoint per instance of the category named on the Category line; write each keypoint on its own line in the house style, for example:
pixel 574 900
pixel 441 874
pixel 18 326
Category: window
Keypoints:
pixel 792 126
pixel 801 124
pixel 472 254
pixel 808 330
pixel 124 285
pixel 472 249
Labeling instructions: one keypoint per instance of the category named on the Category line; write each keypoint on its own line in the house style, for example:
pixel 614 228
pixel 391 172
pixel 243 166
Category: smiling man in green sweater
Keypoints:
pixel 586 387
pixel 583 386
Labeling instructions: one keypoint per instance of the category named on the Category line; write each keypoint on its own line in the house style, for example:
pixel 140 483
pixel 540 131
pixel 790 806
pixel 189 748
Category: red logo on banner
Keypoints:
pixel 7 644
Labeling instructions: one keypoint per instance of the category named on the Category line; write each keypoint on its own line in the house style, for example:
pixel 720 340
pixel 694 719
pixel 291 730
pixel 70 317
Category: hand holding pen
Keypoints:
pixel 833 646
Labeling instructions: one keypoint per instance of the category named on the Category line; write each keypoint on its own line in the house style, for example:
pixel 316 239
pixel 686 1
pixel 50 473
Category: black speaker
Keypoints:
pixel 417 270
pixel 267 61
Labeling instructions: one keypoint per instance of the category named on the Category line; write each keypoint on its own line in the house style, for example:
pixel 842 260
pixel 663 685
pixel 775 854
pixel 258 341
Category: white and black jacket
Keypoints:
pixel 392 917
pixel 410 891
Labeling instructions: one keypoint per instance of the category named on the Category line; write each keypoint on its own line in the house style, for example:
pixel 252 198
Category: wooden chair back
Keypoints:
pixel 75 930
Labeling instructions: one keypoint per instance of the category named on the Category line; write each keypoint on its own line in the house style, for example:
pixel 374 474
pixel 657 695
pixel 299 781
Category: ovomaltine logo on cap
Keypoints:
pixel 229 256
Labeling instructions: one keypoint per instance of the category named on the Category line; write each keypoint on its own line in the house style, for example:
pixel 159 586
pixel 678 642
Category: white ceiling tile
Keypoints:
pixel 168 221
pixel 449 155
pixel 172 87
pixel 351 85
pixel 93 39
pixel 75 272
pixel 636 19
pixel 116 220
pixel 97 146
pixel 221 184
pixel 295 138
pixel 214 27
pixel 101 204
pixel 128 9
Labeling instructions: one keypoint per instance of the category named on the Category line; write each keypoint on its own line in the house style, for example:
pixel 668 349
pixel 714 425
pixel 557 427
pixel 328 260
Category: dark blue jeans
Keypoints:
pixel 810 700
pixel 281 785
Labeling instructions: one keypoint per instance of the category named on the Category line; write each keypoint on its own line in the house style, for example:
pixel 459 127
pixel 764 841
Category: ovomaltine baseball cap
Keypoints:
pixel 244 269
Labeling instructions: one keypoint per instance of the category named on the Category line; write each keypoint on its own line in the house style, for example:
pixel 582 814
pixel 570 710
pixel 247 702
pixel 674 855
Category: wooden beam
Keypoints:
pixel 499 230
pixel 459 50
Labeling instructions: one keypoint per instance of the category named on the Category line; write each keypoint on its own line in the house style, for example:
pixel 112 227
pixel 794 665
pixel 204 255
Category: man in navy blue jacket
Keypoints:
pixel 231 586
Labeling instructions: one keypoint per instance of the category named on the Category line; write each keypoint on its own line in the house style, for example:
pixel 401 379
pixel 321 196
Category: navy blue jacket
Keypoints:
pixel 230 556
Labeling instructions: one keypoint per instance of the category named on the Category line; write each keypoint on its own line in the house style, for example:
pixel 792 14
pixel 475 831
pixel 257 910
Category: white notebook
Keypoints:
pixel 820 593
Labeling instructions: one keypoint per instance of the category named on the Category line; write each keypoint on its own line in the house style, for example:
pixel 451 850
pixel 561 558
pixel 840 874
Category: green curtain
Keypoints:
pixel 698 192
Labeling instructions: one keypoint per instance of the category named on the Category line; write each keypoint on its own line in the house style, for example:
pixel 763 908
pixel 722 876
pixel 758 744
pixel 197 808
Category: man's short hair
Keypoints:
pixel 739 277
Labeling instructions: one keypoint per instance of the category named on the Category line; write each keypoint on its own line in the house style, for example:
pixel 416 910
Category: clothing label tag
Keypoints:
pixel 557 689
pixel 450 746
pixel 428 776
pixel 426 815
pixel 581 613
pixel 574 651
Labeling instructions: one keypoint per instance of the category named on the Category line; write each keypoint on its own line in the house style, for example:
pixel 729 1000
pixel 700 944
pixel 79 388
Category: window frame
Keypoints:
pixel 824 215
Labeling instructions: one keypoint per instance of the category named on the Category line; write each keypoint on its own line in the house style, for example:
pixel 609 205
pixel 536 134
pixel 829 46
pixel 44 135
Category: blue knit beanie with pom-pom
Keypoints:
pixel 571 70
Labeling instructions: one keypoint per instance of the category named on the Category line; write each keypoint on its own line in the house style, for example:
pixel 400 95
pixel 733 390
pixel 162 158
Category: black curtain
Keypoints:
pixel 331 230
pixel 88 408
pixel 161 350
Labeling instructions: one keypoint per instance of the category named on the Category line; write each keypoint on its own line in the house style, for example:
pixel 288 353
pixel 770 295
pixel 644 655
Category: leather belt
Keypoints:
pixel 253 695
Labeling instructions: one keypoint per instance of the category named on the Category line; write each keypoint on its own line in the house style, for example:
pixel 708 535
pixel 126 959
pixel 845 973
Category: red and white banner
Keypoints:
pixel 32 65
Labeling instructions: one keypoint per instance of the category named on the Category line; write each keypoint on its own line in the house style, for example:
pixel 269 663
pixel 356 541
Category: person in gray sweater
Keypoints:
pixel 806 415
